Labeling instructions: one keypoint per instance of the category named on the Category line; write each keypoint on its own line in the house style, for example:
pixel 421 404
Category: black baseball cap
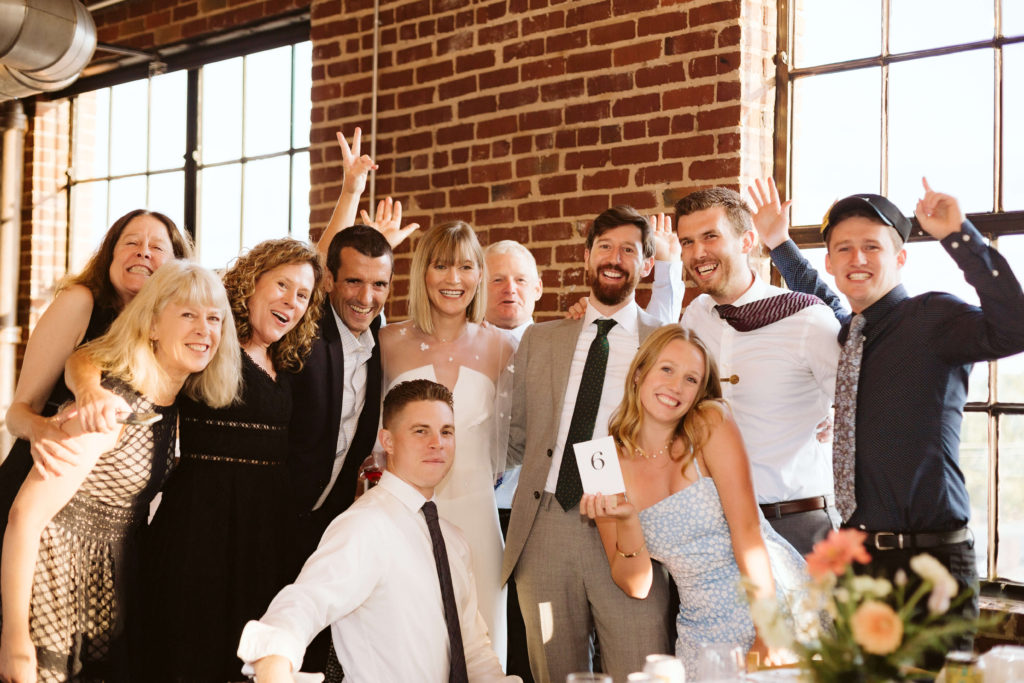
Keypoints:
pixel 886 211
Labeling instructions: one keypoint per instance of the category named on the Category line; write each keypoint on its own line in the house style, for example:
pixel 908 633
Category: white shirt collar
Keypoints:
pixel 755 292
pixel 349 340
pixel 405 493
pixel 625 318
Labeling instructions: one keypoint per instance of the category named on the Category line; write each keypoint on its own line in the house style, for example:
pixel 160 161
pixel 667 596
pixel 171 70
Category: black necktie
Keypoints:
pixel 569 488
pixel 764 312
pixel 457 661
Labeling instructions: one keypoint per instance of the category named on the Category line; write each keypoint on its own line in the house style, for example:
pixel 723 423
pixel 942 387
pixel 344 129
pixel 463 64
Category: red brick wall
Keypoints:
pixel 529 117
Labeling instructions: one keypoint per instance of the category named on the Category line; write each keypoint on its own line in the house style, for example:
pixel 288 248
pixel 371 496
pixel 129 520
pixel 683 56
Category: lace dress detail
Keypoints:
pixel 688 533
pixel 85 571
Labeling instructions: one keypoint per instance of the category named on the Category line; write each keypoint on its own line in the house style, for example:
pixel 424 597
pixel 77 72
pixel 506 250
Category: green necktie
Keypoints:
pixel 584 415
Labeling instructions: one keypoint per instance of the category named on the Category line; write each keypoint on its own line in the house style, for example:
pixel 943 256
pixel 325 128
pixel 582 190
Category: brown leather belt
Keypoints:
pixel 889 540
pixel 792 507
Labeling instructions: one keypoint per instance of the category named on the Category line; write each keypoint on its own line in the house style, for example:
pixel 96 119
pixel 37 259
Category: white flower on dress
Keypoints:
pixel 424 346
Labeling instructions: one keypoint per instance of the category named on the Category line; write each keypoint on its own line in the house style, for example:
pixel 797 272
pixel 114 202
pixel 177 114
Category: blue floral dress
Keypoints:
pixel 688 533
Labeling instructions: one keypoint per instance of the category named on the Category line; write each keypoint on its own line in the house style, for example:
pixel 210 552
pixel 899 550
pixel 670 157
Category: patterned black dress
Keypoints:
pixel 218 548
pixel 86 567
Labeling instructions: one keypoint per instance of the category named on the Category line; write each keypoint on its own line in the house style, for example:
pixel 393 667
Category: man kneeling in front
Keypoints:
pixel 392 581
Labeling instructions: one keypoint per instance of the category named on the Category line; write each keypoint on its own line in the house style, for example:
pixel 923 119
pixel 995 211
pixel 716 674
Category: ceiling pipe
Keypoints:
pixel 44 45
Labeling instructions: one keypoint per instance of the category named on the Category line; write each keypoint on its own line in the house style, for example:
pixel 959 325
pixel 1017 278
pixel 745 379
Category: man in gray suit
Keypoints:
pixel 565 587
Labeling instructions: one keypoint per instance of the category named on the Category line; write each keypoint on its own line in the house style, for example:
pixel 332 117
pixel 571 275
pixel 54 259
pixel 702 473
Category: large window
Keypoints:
pixel 875 94
pixel 223 149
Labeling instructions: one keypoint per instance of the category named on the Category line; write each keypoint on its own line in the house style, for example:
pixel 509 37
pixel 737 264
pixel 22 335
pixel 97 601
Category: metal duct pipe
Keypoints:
pixel 44 45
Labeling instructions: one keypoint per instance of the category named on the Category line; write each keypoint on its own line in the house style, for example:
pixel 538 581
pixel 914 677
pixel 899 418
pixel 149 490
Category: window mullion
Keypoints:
pixel 192 110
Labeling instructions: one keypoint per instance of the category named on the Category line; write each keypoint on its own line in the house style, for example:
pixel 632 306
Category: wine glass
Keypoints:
pixel 588 677
pixel 719 662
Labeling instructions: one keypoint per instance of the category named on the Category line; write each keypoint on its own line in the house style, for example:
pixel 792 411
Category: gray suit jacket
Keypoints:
pixel 540 378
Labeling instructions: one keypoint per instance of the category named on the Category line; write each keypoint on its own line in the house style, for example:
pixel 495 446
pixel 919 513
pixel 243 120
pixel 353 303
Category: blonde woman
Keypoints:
pixel 69 554
pixel 444 342
pixel 689 500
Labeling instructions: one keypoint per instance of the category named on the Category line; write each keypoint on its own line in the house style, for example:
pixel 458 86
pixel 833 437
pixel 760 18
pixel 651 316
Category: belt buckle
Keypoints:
pixel 887 534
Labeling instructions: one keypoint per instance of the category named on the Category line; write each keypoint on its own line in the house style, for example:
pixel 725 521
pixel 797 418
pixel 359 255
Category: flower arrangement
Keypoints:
pixel 880 630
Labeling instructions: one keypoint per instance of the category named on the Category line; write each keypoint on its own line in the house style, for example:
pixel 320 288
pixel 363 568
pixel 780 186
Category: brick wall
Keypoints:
pixel 529 117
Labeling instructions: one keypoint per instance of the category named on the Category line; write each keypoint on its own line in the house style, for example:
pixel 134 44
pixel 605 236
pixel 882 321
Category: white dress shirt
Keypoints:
pixel 623 341
pixel 373 579
pixel 357 352
pixel 786 377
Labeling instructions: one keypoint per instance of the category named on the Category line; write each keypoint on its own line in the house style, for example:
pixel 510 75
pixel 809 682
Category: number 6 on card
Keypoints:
pixel 598 462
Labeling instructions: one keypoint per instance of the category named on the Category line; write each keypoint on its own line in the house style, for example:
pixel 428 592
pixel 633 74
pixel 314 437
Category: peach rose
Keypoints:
pixel 877 628
pixel 835 553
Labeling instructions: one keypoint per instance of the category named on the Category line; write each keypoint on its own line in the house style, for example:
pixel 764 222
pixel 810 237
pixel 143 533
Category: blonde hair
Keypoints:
pixel 692 428
pixel 290 351
pixel 127 352
pixel 446 244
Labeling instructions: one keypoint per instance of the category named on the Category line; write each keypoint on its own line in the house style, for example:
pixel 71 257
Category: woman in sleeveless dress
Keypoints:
pixel 69 556
pixel 133 248
pixel 443 341
pixel 689 501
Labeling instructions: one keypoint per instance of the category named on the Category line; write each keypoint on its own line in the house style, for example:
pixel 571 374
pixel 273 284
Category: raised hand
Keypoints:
pixel 355 165
pixel 771 220
pixel 666 243
pixel 939 214
pixel 388 221
pixel 578 309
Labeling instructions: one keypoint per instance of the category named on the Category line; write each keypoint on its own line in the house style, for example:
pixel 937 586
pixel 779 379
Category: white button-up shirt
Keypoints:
pixel 623 341
pixel 357 352
pixel 373 579
pixel 786 378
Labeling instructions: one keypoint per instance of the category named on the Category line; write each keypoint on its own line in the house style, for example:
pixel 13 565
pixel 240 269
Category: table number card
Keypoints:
pixel 599 466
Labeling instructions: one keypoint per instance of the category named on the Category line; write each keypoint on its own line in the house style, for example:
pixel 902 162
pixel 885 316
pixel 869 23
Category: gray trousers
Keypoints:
pixel 804 529
pixel 566 593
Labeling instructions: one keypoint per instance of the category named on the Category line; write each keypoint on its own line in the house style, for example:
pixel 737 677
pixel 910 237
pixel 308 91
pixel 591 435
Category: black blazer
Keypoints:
pixel 316 419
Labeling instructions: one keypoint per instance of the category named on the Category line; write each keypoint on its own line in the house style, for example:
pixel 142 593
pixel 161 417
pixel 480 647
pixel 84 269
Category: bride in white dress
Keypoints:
pixel 444 342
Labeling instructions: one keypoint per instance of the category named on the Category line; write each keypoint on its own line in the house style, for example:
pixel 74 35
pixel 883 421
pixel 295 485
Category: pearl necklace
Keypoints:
pixel 651 456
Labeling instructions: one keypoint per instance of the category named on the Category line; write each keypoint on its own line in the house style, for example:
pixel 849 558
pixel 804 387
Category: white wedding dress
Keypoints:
pixel 465 497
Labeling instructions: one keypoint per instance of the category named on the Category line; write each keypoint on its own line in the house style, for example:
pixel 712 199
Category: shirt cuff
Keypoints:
pixel 668 271
pixel 260 640
pixel 968 237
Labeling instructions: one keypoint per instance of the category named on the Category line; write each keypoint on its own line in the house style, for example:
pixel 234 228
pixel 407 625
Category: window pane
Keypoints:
pixel 1010 371
pixel 974 464
pixel 88 221
pixel 1013 17
pixel 302 94
pixel 1013 125
pixel 221 134
pixel 265 203
pixel 1010 564
pixel 921 24
pixel 835 148
pixel 268 88
pixel 126 194
pixel 92 135
pixel 167 120
pixel 300 196
pixel 128 110
pixel 927 137
pixel 167 195
pixel 835 31
pixel 219 228
pixel 930 269
pixel 977 385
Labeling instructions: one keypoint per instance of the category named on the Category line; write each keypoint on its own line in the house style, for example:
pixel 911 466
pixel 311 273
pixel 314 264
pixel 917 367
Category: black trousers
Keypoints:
pixel 518 663
pixel 958 558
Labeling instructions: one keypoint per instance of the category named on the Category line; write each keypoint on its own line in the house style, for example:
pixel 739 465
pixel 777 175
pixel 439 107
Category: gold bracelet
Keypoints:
pixel 632 554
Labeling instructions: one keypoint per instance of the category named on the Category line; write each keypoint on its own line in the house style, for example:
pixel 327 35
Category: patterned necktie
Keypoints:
pixel 569 489
pixel 844 445
pixel 457 661
pixel 764 312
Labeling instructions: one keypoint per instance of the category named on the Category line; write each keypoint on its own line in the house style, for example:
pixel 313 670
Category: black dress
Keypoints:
pixel 218 548
pixel 86 567
pixel 18 462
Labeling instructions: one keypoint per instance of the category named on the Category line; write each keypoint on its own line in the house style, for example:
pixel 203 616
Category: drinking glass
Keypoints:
pixel 665 668
pixel 720 663
pixel 588 677
pixel 642 677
